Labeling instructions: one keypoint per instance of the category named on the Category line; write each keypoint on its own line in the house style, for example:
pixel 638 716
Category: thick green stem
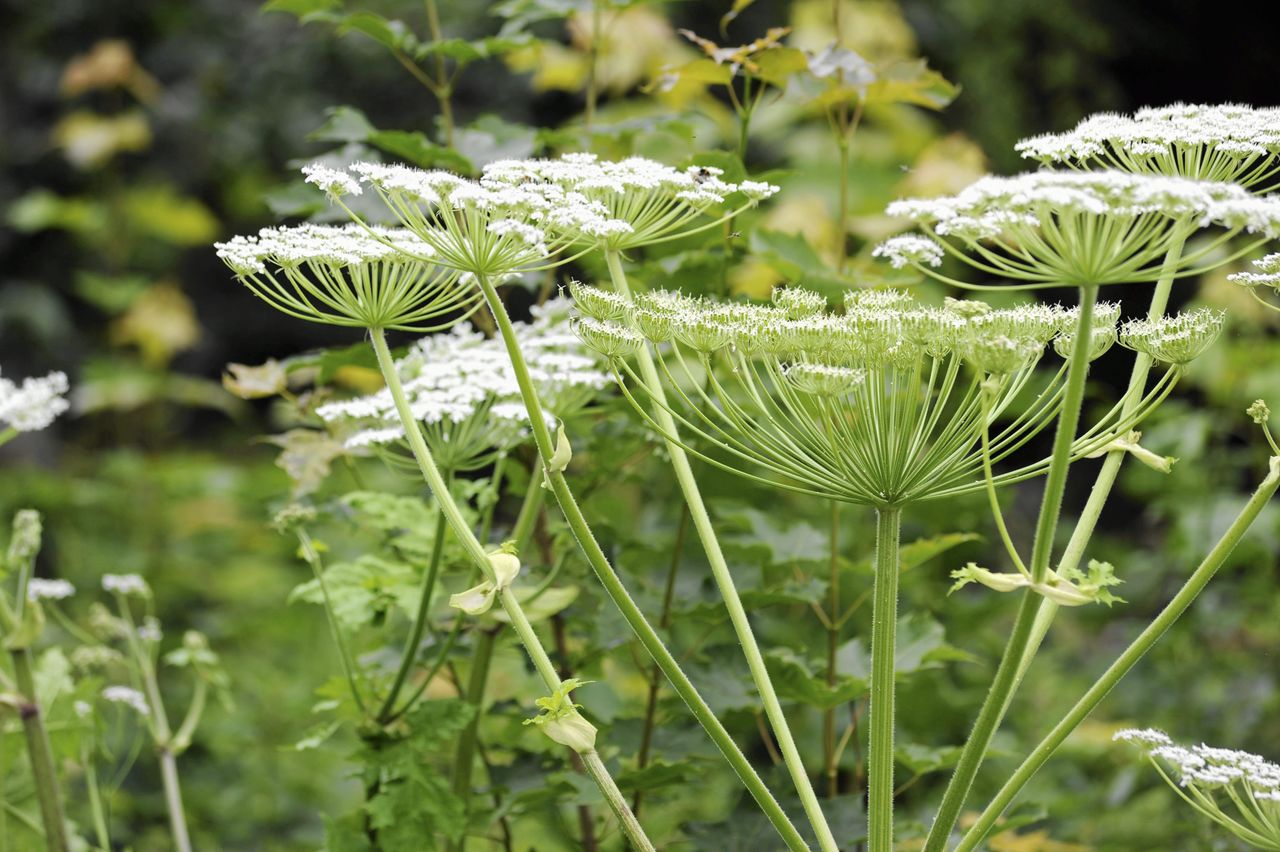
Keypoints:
pixel 1006 678
pixel 884 625
pixel 596 769
pixel 724 580
pixel 173 799
pixel 617 592
pixel 40 753
pixel 464 757
pixel 515 613
pixel 409 656
pixel 1168 616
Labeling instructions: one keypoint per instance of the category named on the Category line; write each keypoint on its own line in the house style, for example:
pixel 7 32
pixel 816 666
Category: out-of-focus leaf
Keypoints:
pixel 393 34
pixel 918 552
pixel 348 124
pixel 734 11
pixel 161 323
pixel 364 590
pixel 922 758
pixel 110 293
pixel 306 455
pixel 119 385
pixel 911 82
pixel 544 606
pixel 795 681
pixel 246 382
pixel 657 775
pixel 781 545
pixel 490 138
pixel 159 212
pixel 808 591
pixel 301 8
pixel 41 209
pixel 465 52
pixel 109 64
pixel 89 140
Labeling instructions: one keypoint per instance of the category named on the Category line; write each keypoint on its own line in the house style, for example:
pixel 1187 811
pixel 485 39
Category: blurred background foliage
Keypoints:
pixel 133 135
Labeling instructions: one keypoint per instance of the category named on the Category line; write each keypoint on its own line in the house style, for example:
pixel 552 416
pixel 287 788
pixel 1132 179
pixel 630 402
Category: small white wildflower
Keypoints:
pixel 127 696
pixel 39 588
pixel 910 249
pixel 82 709
pixel 1149 737
pixel 1267 274
pixel 34 404
pixel 332 181
pixel 126 584
pixel 149 630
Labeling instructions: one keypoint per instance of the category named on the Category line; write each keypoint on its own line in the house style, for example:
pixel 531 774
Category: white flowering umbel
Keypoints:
pixel 645 202
pixel 1222 142
pixel 349 276
pixel 487 227
pixel 1238 790
pixel 1085 229
pixel 872 406
pixel 32 405
pixel 463 392
pixel 1265 275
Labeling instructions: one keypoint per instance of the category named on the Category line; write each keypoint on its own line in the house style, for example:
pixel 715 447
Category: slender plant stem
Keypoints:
pixel 1006 677
pixel 444 86
pixel 7 435
pixel 617 592
pixel 596 769
pixel 593 60
pixel 312 556
pixel 40 753
pixel 884 625
pixel 163 735
pixel 724 580
pixel 409 656
pixel 1082 534
pixel 1128 659
pixel 655 676
pixel 515 613
pixel 95 798
pixel 464 756
pixel 829 760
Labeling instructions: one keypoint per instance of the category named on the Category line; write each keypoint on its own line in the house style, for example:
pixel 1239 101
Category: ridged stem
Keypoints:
pixel 1127 660
pixel 880 709
pixel 724 580
pixel 617 592
pixel 515 613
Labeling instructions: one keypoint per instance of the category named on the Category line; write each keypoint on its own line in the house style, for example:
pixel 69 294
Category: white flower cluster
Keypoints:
pixel 1175 339
pixel 644 200
pixel 993 205
pixel 39 588
pixel 126 584
pixel 1218 781
pixel 1164 138
pixel 330 245
pixel 876 328
pixel 462 387
pixel 34 404
pixel 129 697
pixel 1267 274
pixel 909 249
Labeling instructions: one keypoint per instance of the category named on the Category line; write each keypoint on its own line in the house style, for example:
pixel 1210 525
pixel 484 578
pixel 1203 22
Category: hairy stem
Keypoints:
pixel 617 592
pixel 724 580
pixel 40 753
pixel 515 613
pixel 1128 659
pixel 830 762
pixel 884 625
pixel 1006 677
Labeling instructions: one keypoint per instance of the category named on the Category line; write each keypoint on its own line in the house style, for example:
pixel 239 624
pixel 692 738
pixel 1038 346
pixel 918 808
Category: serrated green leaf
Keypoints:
pixel 796 681
pixel 657 775
pixel 363 590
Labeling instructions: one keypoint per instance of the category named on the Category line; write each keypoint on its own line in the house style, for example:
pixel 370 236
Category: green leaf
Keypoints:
pixel 395 35
pixel 301 8
pixel 343 124
pixel 780 545
pixel 547 604
pixel 922 645
pixel 911 82
pixel 306 456
pixel 419 150
pixel 490 138
pixel 806 591
pixel 657 775
pixel 795 681
pixel 922 758
pixel 465 52
pixel 364 590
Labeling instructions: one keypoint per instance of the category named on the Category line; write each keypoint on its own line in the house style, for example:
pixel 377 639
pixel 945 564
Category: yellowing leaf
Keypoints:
pixel 109 64
pixel 1034 841
pixel 161 323
pixel 89 140
pixel 158 211
pixel 249 382
pixel 306 455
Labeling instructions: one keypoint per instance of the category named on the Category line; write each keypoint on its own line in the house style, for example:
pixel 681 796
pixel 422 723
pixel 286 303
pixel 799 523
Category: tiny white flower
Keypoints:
pixel 129 697
pixel 34 404
pixel 39 588
pixel 125 584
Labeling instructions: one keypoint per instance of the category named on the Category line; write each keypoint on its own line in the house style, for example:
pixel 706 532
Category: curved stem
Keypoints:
pixel 884 624
pixel 1006 678
pixel 1127 660
pixel 40 753
pixel 409 656
pixel 617 592
pixel 724 580
pixel 515 613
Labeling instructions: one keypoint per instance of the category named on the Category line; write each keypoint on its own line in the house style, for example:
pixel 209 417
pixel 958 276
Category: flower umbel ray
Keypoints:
pixel 881 405
pixel 1059 228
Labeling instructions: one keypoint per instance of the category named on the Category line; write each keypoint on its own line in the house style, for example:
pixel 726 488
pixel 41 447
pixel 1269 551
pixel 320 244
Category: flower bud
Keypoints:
pixel 572 730
pixel 600 304
pixel 1259 412
pixel 798 303
pixel 609 338
pixel 25 541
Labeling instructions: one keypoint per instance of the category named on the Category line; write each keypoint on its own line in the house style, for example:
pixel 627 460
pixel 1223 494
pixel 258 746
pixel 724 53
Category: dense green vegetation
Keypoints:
pixel 176 124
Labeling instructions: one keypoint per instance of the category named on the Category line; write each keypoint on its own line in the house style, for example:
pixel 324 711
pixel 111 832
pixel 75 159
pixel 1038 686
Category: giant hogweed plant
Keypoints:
pixel 884 402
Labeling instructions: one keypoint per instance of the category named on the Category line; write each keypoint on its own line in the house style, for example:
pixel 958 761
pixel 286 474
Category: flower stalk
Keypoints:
pixel 884 622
